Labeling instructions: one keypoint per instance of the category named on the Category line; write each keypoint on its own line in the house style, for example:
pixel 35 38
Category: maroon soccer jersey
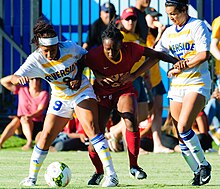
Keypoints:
pixel 99 62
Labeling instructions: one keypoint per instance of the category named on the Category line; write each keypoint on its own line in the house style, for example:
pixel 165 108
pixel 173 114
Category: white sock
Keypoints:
pixel 192 142
pixel 190 160
pixel 36 161
pixel 101 147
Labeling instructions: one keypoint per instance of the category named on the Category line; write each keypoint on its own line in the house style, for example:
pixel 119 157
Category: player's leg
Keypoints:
pixel 58 115
pixel 191 106
pixel 127 106
pixel 53 124
pixel 87 113
pixel 186 153
pixel 96 178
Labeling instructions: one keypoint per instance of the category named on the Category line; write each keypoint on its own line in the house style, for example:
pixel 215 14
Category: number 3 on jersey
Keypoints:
pixel 57 105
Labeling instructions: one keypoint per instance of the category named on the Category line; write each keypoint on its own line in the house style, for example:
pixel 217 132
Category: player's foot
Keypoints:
pixel 110 181
pixel 205 174
pixel 138 173
pixel 196 180
pixel 96 179
pixel 28 182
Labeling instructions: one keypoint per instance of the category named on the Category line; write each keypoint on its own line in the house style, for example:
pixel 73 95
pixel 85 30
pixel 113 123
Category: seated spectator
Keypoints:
pixel 72 137
pixel 212 110
pixel 32 102
pixel 116 142
pixel 201 128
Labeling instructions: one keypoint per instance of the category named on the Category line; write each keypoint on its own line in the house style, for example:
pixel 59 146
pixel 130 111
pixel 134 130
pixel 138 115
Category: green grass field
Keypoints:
pixel 164 170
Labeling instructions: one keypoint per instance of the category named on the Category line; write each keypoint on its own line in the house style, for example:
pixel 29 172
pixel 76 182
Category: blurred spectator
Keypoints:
pixel 155 30
pixel 141 26
pixel 107 14
pixel 72 137
pixel 212 110
pixel 32 102
pixel 201 128
pixel 215 45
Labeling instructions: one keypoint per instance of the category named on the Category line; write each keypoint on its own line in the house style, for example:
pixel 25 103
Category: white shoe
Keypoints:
pixel 110 181
pixel 28 182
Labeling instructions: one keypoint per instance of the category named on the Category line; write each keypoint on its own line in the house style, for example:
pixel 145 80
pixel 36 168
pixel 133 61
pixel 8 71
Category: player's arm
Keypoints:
pixel 130 77
pixel 75 83
pixel 214 48
pixel 199 58
pixel 148 52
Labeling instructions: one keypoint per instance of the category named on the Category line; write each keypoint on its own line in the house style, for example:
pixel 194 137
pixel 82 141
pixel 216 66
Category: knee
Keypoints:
pixel 130 121
pixel 23 120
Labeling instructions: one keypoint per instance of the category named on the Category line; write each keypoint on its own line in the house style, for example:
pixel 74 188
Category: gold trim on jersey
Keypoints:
pixel 190 54
pixel 60 88
pixel 187 85
pixel 189 75
pixel 175 35
pixel 65 97
pixel 60 61
pixel 113 60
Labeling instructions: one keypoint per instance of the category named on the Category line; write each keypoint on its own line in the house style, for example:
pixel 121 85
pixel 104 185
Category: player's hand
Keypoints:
pixel 101 78
pixel 173 72
pixel 75 84
pixel 181 64
pixel 126 78
pixel 23 80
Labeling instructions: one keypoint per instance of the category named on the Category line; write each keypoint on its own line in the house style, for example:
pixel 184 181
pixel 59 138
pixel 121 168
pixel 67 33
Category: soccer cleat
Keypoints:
pixel 110 181
pixel 196 180
pixel 96 179
pixel 28 182
pixel 138 173
pixel 205 174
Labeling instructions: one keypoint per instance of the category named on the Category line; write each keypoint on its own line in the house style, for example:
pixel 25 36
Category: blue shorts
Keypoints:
pixel 158 89
pixel 138 84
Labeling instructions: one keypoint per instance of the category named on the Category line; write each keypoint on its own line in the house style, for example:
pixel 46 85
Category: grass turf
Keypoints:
pixel 168 171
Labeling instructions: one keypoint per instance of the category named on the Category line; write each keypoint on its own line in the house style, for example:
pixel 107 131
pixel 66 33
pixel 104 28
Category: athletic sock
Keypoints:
pixel 37 158
pixel 192 142
pixel 96 161
pixel 101 146
pixel 133 145
pixel 190 160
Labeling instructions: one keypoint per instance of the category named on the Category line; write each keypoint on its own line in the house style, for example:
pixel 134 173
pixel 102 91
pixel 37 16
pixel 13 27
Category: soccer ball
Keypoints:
pixel 57 174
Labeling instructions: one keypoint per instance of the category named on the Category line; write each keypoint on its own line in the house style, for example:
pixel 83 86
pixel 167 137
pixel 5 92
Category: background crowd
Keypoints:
pixel 145 128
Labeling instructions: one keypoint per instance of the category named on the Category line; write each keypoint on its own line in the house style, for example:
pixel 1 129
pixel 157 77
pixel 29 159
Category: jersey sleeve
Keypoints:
pixel 30 68
pixel 202 37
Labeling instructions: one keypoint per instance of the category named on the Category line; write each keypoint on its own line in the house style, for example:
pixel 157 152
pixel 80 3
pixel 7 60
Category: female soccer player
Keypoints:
pixel 112 63
pixel 189 40
pixel 56 63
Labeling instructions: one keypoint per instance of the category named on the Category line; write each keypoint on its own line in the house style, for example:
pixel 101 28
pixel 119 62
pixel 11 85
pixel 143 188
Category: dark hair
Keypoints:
pixel 179 4
pixel 42 29
pixel 112 32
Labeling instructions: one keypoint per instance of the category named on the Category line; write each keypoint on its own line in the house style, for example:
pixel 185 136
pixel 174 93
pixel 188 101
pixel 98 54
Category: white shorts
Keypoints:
pixel 177 94
pixel 65 108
